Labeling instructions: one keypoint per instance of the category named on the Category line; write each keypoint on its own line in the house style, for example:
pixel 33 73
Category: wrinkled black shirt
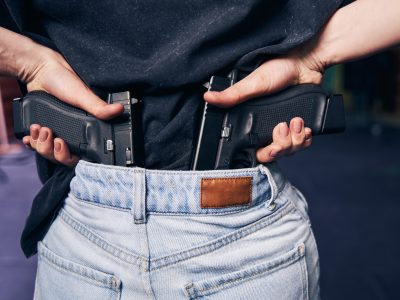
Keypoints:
pixel 164 51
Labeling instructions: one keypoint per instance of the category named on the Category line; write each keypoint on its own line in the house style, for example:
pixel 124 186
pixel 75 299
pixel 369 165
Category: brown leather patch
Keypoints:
pixel 223 192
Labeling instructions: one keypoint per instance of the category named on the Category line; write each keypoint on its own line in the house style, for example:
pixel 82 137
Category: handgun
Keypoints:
pixel 116 142
pixel 229 138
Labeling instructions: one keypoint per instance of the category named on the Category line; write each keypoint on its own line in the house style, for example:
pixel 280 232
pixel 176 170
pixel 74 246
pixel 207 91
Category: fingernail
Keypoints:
pixel 57 146
pixel 43 136
pixel 297 126
pixel 283 129
pixel 35 134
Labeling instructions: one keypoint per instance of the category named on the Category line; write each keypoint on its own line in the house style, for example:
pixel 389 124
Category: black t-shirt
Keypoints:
pixel 165 50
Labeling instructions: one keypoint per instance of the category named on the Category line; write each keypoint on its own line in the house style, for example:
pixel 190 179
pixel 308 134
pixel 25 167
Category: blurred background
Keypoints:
pixel 351 181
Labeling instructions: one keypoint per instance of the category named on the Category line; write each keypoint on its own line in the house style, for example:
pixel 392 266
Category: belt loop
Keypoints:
pixel 273 184
pixel 139 196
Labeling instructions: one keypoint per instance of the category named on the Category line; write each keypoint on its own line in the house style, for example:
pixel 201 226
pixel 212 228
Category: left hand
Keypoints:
pixel 286 140
pixel 298 67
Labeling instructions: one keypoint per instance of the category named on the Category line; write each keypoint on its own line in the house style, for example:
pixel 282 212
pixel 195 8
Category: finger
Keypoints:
pixel 26 140
pixel 269 153
pixel 308 133
pixel 270 77
pixel 281 143
pixel 62 154
pixel 34 133
pixel 281 135
pixel 72 90
pixel 297 132
pixel 45 145
pixel 249 87
pixel 87 100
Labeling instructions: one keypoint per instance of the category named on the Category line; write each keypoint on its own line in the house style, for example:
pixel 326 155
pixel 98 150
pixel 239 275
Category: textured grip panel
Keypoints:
pixel 253 122
pixel 55 102
pixel 63 126
pixel 65 121
pixel 267 117
pixel 85 135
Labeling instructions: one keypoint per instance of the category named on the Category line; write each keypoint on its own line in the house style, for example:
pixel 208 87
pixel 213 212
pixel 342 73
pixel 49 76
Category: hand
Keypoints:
pixel 41 139
pixel 50 72
pixel 286 140
pixel 301 66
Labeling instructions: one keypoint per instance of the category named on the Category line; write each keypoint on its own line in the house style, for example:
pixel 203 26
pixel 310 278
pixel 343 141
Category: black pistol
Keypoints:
pixel 229 138
pixel 114 142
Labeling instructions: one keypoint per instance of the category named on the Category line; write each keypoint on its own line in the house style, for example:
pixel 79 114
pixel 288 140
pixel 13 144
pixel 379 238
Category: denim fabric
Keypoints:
pixel 131 233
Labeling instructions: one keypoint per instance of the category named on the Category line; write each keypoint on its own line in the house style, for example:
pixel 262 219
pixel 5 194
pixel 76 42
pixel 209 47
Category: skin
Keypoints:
pixel 44 69
pixel 342 39
pixel 357 30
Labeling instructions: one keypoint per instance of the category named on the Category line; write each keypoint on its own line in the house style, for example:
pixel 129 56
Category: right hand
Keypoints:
pixel 50 72
pixel 300 66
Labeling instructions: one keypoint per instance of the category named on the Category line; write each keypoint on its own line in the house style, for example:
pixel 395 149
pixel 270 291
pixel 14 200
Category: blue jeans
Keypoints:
pixel 131 233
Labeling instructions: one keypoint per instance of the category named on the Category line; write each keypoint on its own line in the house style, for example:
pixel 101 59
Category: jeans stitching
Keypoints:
pixel 95 202
pixel 298 211
pixel 78 276
pixel 83 272
pixel 254 170
pixel 175 258
pixel 98 204
pixel 158 202
pixel 303 266
pixel 315 251
pixel 266 268
pixel 100 242
pixel 206 212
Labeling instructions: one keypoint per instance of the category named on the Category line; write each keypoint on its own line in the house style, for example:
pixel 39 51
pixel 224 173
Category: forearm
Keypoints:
pixel 18 54
pixel 359 29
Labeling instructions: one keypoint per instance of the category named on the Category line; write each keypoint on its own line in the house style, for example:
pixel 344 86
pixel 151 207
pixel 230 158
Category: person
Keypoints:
pixel 145 233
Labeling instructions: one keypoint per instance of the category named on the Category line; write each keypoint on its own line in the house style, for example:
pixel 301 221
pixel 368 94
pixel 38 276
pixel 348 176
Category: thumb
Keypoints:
pixel 270 77
pixel 69 88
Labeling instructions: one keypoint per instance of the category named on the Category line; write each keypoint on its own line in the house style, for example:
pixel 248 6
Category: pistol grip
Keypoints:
pixel 82 133
pixel 251 124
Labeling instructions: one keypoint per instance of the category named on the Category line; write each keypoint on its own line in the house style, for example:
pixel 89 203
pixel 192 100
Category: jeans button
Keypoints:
pixel 271 205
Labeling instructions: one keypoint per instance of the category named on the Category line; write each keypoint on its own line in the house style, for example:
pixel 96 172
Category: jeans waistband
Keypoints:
pixel 165 191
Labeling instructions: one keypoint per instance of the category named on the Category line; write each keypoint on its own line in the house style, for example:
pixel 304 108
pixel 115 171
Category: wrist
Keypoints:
pixel 29 60
pixel 324 50
pixel 19 55
pixel 309 67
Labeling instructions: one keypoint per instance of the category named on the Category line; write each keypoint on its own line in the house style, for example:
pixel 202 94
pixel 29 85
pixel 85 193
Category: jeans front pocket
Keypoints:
pixel 59 278
pixel 283 277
